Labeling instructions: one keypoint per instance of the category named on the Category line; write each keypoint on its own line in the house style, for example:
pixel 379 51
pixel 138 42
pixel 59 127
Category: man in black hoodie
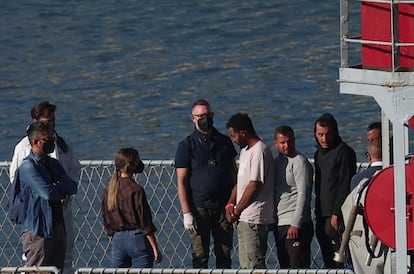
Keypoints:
pixel 335 164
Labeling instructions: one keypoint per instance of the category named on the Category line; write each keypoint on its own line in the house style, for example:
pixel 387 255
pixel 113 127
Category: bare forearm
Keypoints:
pixel 154 246
pixel 182 177
pixel 247 196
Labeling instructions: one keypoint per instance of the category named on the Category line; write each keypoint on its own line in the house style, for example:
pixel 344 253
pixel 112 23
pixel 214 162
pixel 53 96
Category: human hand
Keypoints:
pixel 157 255
pixel 231 215
pixel 66 200
pixel 292 233
pixel 190 223
pixel 335 222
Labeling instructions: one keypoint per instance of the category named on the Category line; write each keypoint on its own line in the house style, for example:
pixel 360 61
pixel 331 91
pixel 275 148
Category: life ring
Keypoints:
pixel 380 208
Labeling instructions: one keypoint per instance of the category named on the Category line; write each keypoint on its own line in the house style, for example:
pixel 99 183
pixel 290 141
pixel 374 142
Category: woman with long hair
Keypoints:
pixel 127 216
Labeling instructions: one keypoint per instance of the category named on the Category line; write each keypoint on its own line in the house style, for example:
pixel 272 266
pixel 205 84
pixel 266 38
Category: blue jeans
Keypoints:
pixel 130 248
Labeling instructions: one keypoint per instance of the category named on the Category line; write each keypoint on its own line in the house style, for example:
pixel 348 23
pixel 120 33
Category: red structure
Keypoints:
pixel 406 23
pixel 386 74
pixel 376 26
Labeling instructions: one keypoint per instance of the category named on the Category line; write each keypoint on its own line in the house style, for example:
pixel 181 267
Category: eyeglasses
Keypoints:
pixel 202 115
pixel 48 139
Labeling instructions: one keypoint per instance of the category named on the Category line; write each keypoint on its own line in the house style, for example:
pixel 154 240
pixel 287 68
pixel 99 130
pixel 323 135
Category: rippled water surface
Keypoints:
pixel 124 73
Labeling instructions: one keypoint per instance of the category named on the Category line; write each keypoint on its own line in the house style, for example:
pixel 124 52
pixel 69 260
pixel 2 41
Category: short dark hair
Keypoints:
pixel 285 130
pixel 241 121
pixel 36 129
pixel 374 125
pixel 201 102
pixel 42 109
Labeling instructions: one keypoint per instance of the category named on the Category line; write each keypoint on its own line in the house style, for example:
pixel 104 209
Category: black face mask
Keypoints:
pixel 140 167
pixel 205 123
pixel 49 146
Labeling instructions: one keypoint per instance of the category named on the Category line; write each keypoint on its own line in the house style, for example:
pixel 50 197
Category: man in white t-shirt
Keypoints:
pixel 251 204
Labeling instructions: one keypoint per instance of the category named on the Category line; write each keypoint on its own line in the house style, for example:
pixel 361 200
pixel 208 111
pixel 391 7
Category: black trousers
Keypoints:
pixel 329 240
pixel 294 253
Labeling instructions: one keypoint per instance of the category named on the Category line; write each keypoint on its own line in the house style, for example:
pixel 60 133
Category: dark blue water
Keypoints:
pixel 124 73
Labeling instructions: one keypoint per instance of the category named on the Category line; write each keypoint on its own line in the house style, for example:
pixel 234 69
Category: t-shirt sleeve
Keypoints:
pixel 257 170
pixel 182 155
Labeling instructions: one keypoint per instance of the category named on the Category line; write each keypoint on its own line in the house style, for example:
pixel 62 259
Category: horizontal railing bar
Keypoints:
pixel 42 269
pixel 388 1
pixel 4 164
pixel 373 42
pixel 109 163
pixel 208 271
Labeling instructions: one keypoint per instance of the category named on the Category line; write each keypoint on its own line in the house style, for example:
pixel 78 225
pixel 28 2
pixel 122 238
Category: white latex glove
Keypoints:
pixel 190 223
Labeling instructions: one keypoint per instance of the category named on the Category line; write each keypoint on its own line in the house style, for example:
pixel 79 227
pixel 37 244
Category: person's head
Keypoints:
pixel 326 131
pixel 44 112
pixel 374 152
pixel 127 160
pixel 374 133
pixel 41 138
pixel 202 116
pixel 241 129
pixel 285 140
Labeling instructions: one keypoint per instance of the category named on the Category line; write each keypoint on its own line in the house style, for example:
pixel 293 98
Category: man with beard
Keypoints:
pixel 294 178
pixel 251 204
pixel 335 164
pixel 206 170
pixel 43 231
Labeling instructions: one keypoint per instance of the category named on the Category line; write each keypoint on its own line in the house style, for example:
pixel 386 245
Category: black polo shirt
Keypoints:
pixel 210 161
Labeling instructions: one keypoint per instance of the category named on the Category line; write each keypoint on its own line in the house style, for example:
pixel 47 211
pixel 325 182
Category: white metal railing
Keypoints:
pixel 208 271
pixel 32 269
pixel 91 242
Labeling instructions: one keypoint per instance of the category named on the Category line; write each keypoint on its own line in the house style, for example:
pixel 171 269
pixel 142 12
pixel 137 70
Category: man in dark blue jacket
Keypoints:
pixel 374 154
pixel 335 164
pixel 43 231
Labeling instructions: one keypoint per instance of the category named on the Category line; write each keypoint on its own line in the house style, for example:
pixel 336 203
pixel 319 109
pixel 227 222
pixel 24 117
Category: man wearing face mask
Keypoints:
pixel 206 169
pixel 43 232
pixel 62 151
